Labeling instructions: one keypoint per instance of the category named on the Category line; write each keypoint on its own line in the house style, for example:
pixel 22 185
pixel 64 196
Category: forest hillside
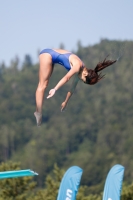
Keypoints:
pixel 94 133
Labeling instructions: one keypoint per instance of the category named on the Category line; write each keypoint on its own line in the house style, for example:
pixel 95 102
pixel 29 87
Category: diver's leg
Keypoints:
pixel 45 72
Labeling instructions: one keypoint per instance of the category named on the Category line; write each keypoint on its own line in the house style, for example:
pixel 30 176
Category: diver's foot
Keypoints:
pixel 38 117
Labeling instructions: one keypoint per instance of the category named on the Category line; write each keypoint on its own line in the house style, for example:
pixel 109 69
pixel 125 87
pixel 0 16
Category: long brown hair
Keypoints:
pixel 93 77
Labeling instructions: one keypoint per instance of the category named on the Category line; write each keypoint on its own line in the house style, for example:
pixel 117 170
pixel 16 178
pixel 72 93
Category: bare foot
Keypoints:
pixel 38 117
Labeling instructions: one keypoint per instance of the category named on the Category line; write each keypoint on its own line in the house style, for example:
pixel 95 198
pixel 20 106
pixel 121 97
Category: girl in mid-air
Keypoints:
pixel 74 65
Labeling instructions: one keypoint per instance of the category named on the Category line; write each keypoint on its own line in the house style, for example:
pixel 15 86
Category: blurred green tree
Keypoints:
pixel 15 188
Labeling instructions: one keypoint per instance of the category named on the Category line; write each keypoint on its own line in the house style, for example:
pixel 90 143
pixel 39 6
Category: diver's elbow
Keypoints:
pixel 67 78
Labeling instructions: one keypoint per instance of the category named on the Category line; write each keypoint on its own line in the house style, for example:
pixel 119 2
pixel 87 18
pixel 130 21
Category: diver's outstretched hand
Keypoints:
pixel 51 93
pixel 63 106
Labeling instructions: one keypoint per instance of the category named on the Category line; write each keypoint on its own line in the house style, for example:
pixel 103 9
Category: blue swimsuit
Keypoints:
pixel 62 59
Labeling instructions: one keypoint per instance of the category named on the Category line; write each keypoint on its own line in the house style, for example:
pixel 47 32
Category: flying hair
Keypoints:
pixel 105 63
pixel 93 76
pixel 102 65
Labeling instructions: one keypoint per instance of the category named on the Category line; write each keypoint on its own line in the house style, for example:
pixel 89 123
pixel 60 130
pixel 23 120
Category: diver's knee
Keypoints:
pixel 42 87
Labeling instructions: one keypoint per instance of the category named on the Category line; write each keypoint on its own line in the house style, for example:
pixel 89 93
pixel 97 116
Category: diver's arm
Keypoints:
pixel 69 94
pixel 64 80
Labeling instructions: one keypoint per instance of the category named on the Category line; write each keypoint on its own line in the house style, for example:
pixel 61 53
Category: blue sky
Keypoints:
pixel 27 26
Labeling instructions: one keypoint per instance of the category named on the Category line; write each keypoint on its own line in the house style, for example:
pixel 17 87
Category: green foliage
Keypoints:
pixel 127 192
pixel 15 188
pixel 23 188
pixel 94 133
pixel 52 184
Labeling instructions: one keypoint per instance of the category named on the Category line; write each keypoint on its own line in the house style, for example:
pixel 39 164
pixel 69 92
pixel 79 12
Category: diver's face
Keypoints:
pixel 83 75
